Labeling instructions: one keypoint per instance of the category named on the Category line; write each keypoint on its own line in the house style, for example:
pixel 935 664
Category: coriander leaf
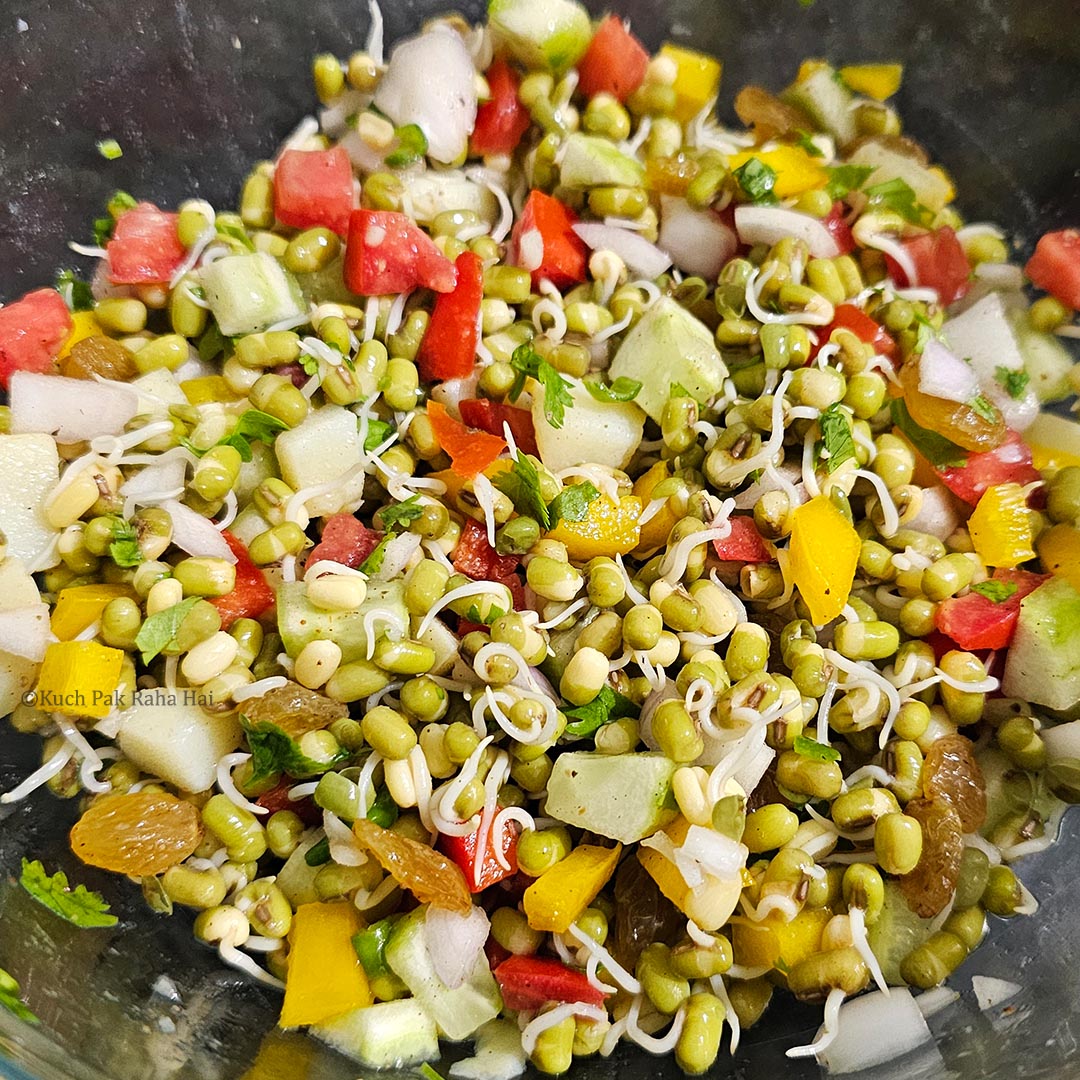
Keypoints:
pixel 998 591
pixel 494 612
pixel 1014 383
pixel 235 232
pixel 942 453
pixel 926 333
pixel 74 290
pixel 213 343
pixel 159 630
pixel 572 503
pixel 757 181
pixel 378 431
pixel 899 196
pixel 401 513
pixel 10 1000
pixel 608 705
pixel 811 748
pixel 985 409
pixel 521 485
pixel 557 397
pixel 274 752
pixel 78 906
pixel 124 546
pixel 622 389
pixel 843 179
pixel 110 149
pixel 373 563
pixel 253 425
pixel 806 142
pixel 412 145
pixel 837 443
pixel 318 854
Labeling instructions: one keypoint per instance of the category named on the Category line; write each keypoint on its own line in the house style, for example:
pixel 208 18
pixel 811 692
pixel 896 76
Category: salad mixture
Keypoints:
pixel 549 569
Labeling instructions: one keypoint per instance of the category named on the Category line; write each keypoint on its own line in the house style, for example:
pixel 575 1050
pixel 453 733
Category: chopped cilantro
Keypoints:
pixel 806 141
pixel 608 705
pixel 235 232
pixel 401 513
pixel 899 196
pixel 982 407
pixel 837 443
pixel 926 333
pixel 124 546
pixel 213 343
pixel 373 563
pixel 1014 383
pixel 521 485
pixel 572 503
pixel 811 748
pixel 942 453
pixel 844 179
pixel 997 591
pixel 757 180
pixel 378 431
pixel 273 752
pixel 494 612
pixel 78 906
pixel 110 149
pixel 74 290
pixel 411 147
pixel 557 397
pixel 253 426
pixel 159 630
pixel 622 389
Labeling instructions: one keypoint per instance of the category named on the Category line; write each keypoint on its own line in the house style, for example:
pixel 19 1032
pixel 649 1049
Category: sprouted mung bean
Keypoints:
pixel 539 496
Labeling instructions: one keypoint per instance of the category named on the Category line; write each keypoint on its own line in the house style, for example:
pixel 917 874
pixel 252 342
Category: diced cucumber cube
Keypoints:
pixel 248 293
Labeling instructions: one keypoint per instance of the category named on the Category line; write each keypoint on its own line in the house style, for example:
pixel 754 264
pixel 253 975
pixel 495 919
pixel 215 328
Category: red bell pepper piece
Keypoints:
pixel 448 349
pixel 387 253
pixel 614 63
pixel 345 540
pixel 314 187
pixel 477 559
pixel 839 229
pixel 975 621
pixel 502 120
pixel 1055 266
pixel 1008 463
pixel 487 415
pixel 850 317
pixel 251 595
pixel 940 264
pixel 470 451
pixel 545 231
pixel 32 331
pixel 744 543
pixel 462 849
pixel 529 982
pixel 144 249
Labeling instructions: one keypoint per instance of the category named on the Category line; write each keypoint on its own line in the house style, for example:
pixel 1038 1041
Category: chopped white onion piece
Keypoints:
pixel 639 254
pixel 770 224
pixel 990 992
pixel 455 942
pixel 697 240
pixel 195 534
pixel 71 410
pixel 873 1029
pixel 25 632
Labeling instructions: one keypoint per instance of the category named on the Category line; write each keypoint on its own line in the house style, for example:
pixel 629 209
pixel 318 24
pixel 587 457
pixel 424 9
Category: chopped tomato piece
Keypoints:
pixel 144 249
pixel 470 451
pixel 1055 266
pixel 251 595
pixel 462 849
pixel 314 187
pixel 975 621
pixel 850 317
pixel 490 416
pixel 502 119
pixel 940 264
pixel 614 63
pixel 839 229
pixel 544 242
pixel 476 558
pixel 1008 463
pixel 387 253
pixel 345 540
pixel 744 543
pixel 32 332
pixel 448 349
pixel 529 982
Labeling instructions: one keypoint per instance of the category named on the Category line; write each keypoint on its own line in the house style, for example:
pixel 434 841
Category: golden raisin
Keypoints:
pixel 930 886
pixel 429 875
pixel 141 834
pixel 973 430
pixel 768 115
pixel 951 774
pixel 295 709
pixel 670 175
pixel 99 355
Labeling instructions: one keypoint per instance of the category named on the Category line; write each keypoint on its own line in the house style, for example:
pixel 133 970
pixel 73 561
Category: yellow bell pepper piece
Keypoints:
pixel 796 171
pixel 776 944
pixel 697 80
pixel 559 895
pixel 823 556
pixel 325 975
pixel 1000 527
pixel 606 529
pixel 710 905
pixel 808 68
pixel 80 606
pixel 207 389
pixel 283 1054
pixel 1054 442
pixel 79 678
pixel 1059 549
pixel 879 81
pixel 655 531
pixel 83 325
